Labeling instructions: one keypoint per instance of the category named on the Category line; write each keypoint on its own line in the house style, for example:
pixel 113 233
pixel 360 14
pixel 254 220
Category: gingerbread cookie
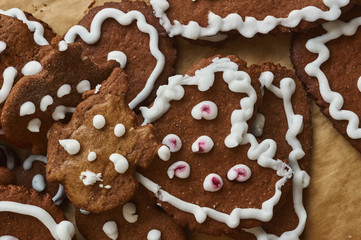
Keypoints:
pixel 51 89
pixel 129 32
pixel 208 19
pixel 95 155
pixel 26 214
pixel 221 178
pixel 327 60
pixel 139 218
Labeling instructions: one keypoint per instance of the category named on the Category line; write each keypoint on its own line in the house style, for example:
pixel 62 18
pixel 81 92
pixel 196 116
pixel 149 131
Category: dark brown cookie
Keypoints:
pixel 52 89
pixel 129 27
pixel 95 155
pixel 26 214
pixel 139 218
pixel 7 176
pixel 327 60
pixel 207 19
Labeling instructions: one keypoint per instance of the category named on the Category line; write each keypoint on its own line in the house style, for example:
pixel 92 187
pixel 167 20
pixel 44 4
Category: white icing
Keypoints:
pixel 27 108
pixel 31 68
pixel 179 169
pixel 258 124
pixel 318 45
pixel 118 56
pixel 83 86
pixel 2 46
pixel 72 146
pixel 107 187
pixel 97 88
pixel 247 27
pixel 63 90
pixel 65 230
pixel 89 177
pixel 203 144
pixel 38 183
pixel 239 172
pixel 173 142
pixel 10 159
pixel 120 162
pixel 123 19
pixel 85 212
pixel 154 234
pixel 7 237
pixel 45 102
pixel 359 84
pixel 34 125
pixel 8 80
pixel 206 109
pixel 129 212
pixel 212 183
pixel 98 121
pixel 28 162
pixel 60 111
pixel 110 228
pixel 33 26
pixel 164 153
pixel 63 46
pixel 92 156
pixel 59 196
pixel 119 130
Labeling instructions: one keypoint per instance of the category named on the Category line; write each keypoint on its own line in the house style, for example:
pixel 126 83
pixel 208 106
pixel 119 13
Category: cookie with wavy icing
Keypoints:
pixel 26 214
pixel 129 32
pixel 234 158
pixel 210 19
pixel 139 218
pixel 49 92
pixel 96 154
pixel 327 60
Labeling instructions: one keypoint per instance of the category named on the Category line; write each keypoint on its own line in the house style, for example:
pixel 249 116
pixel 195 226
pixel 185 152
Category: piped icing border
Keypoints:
pixel 318 46
pixel 123 19
pixel 247 27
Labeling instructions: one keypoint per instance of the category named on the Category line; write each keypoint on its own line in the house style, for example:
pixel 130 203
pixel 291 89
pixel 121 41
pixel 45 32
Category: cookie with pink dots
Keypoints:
pixel 139 218
pixel 96 154
pixel 49 92
pixel 27 214
pixel 239 139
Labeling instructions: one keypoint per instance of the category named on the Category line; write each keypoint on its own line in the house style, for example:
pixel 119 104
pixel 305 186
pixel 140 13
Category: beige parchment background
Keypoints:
pixel 334 205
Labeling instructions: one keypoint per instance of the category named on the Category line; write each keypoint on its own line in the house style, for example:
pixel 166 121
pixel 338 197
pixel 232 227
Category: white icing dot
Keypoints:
pixel 239 172
pixel 38 183
pixel 34 125
pixel 2 46
pixel 72 146
pixel 120 162
pixel 179 169
pixel 97 88
pixel 107 187
pixel 206 109
pixel 118 56
pixel 65 230
pixel 173 142
pixel 164 153
pixel 129 210
pixel 203 144
pixel 85 212
pixel 83 86
pixel 98 121
pixel 31 68
pixel 119 130
pixel 27 108
pixel 8 80
pixel 63 90
pixel 60 111
pixel 110 228
pixel 63 46
pixel 359 84
pixel 212 183
pixel 257 127
pixel 7 237
pixel 92 156
pixel 154 234
pixel 45 102
pixel 89 177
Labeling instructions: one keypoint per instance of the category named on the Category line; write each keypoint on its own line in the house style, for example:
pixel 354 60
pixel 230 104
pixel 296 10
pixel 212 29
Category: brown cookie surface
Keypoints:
pixel 139 218
pixel 95 155
pixel 131 28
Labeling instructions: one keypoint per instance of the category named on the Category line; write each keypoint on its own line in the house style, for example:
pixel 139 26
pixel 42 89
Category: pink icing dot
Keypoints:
pixel 203 144
pixel 212 183
pixel 239 172
pixel 173 142
pixel 179 169
pixel 206 109
pixel 216 183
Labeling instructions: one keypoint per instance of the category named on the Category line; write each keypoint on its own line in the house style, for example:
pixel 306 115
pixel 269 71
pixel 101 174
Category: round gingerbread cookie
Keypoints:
pixel 327 60
pixel 207 19
pixel 139 218
pixel 221 178
pixel 26 214
pixel 130 32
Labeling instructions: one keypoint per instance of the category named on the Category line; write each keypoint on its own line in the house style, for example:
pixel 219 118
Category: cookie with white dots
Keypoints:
pixel 96 154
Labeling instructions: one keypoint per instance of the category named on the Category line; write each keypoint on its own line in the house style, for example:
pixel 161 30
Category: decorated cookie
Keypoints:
pixel 208 19
pixel 129 33
pixel 139 218
pixel 26 214
pixel 327 60
pixel 95 155
pixel 233 163
pixel 49 91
